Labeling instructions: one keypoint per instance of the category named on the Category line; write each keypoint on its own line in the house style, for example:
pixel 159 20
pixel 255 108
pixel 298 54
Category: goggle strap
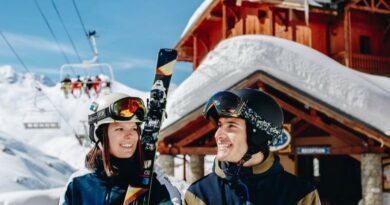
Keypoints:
pixel 259 122
pixel 95 117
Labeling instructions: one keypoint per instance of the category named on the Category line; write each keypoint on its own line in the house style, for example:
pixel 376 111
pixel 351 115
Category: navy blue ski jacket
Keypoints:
pixel 95 188
pixel 264 184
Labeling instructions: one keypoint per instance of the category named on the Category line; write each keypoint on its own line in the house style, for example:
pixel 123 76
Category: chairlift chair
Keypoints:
pixel 89 66
pixel 40 118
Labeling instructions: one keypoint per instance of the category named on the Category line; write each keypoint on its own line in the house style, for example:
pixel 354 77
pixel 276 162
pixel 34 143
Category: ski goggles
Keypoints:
pixel 227 104
pixel 122 110
pixel 224 104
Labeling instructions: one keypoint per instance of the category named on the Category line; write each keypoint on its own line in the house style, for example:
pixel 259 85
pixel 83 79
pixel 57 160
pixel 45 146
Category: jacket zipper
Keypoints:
pixel 107 197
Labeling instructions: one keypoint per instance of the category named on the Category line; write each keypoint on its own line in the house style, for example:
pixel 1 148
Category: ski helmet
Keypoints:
pixel 114 107
pixel 262 114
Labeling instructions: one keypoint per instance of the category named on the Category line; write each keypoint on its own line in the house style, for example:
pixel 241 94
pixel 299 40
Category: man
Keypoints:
pixel 245 171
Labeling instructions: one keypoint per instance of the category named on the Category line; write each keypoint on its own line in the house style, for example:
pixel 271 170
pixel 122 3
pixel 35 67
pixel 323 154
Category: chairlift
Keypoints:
pixel 39 117
pixel 100 82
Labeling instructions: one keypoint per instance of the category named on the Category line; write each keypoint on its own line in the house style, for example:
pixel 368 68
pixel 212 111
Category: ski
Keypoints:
pixel 156 109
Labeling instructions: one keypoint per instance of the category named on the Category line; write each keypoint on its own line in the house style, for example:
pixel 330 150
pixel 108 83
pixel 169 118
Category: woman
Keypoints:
pixel 114 162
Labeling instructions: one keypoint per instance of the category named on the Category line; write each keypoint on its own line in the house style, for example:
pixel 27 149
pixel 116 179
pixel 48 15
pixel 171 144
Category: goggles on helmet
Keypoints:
pixel 228 104
pixel 122 110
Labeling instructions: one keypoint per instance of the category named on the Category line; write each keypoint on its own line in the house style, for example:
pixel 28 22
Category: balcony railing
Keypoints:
pixel 366 63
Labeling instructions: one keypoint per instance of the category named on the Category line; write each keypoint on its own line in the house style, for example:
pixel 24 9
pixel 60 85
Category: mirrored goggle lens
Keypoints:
pixel 225 103
pixel 127 108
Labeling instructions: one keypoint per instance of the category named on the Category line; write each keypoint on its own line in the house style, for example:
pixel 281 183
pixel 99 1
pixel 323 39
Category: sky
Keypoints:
pixel 129 35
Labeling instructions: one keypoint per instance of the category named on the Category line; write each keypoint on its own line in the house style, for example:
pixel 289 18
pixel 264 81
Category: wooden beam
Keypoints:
pixel 369 9
pixel 345 135
pixel 313 141
pixel 199 133
pixel 224 21
pixel 326 109
pixel 297 132
pixel 347 37
pixel 195 52
pixel 214 17
pixel 196 24
pixel 355 150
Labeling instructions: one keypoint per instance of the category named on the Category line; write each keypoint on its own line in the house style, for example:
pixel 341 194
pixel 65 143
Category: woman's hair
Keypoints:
pixel 104 153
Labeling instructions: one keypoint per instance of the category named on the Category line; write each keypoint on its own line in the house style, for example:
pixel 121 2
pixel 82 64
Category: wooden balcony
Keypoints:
pixel 366 63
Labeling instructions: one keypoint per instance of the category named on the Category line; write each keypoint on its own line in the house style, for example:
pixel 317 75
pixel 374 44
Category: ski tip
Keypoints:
pixel 165 51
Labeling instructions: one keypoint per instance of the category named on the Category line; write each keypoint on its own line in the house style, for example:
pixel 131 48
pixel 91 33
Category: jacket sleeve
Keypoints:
pixel 312 198
pixel 66 197
pixel 191 199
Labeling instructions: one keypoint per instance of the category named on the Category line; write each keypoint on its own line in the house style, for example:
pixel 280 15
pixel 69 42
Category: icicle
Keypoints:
pixel 306 9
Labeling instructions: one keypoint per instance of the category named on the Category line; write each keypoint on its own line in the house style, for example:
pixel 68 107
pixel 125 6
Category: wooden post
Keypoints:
pixel 347 36
pixel 167 163
pixel 371 175
pixel 196 167
pixel 272 21
pixel 195 51
pixel 224 21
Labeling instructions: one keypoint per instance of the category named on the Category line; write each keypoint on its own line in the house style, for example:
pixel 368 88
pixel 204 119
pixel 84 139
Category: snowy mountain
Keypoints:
pixel 7 74
pixel 26 168
pixel 34 161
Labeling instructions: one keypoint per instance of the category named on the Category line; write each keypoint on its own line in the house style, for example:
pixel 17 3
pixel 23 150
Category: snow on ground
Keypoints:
pixel 26 168
pixel 28 174
pixel 363 96
pixel 37 197
pixel 21 103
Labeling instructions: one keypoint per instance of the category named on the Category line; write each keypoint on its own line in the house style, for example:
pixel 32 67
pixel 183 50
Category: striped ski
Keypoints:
pixel 156 109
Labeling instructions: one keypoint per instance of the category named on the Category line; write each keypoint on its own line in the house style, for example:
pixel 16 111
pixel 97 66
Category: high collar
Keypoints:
pixel 268 166
pixel 127 170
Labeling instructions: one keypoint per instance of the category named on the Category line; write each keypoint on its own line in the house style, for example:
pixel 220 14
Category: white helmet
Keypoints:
pixel 114 107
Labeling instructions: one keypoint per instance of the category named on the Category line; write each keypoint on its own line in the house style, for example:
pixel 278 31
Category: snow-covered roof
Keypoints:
pixel 194 18
pixel 363 96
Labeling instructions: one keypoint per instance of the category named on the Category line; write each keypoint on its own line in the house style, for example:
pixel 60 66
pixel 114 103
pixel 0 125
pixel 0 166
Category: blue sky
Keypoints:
pixel 130 33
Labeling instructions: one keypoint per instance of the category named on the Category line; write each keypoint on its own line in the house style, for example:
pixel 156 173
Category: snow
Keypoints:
pixel 363 96
pixel 26 168
pixel 38 197
pixel 36 164
pixel 194 18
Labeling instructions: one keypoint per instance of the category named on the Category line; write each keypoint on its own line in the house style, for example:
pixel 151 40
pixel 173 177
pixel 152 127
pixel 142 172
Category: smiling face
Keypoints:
pixel 123 138
pixel 231 139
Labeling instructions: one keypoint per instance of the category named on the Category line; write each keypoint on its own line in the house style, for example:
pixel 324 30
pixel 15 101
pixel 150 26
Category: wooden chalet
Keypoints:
pixel 356 33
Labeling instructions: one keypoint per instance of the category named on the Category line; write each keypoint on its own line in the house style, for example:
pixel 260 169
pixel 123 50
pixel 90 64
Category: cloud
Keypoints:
pixel 48 71
pixel 133 63
pixel 37 43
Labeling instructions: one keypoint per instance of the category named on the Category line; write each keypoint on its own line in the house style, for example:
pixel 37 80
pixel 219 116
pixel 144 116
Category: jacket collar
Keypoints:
pixel 270 164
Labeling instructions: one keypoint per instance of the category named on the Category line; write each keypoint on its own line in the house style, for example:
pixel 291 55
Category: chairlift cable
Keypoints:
pixel 37 86
pixel 84 29
pixel 66 30
pixel 53 34
pixel 67 33
pixel 14 51
pixel 82 24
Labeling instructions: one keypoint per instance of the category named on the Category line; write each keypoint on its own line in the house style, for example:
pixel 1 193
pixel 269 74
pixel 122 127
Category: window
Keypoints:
pixel 365 45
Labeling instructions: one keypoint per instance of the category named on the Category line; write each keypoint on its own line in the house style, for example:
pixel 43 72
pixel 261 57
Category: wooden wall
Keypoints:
pixel 373 26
